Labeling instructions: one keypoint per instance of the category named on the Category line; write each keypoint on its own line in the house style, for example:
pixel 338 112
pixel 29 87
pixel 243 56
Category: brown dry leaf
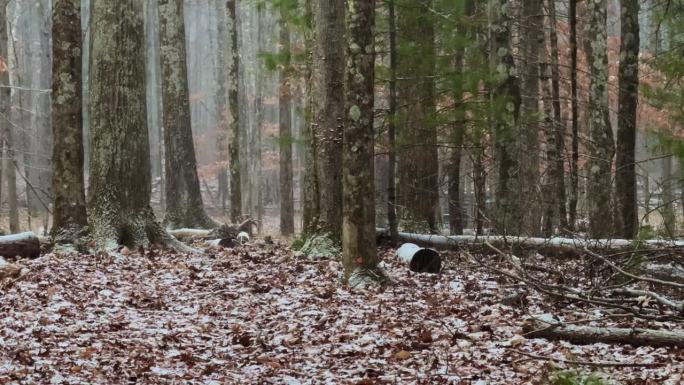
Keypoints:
pixel 402 355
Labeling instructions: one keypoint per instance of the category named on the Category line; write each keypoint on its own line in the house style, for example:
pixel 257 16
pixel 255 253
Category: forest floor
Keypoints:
pixel 258 315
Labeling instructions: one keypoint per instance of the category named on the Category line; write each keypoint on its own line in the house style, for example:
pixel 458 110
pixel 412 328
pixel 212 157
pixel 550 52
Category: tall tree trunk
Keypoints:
pixel 309 191
pixel 528 179
pixel 558 164
pixel 233 105
pixel 601 143
pixel 184 207
pixel 285 117
pixel 119 193
pixel 358 234
pixel 154 99
pixel 458 132
pixel 574 164
pixel 418 161
pixel 627 116
pixel 9 164
pixel 222 105
pixel 506 93
pixel 327 110
pixel 68 187
pixel 392 127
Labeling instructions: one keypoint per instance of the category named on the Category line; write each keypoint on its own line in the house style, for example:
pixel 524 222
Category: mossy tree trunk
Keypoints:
pixel 507 100
pixel 118 198
pixel 285 133
pixel 627 117
pixel 68 188
pixel 6 129
pixel 601 143
pixel 417 133
pixel 358 231
pixel 233 105
pixel 184 207
pixel 324 211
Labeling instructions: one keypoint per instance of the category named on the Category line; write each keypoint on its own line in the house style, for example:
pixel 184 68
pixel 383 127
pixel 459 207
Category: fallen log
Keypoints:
pixel 224 231
pixel 25 245
pixel 555 245
pixel 546 327
pixel 669 272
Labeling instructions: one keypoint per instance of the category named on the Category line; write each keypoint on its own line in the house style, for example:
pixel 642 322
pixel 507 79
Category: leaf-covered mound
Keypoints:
pixel 257 315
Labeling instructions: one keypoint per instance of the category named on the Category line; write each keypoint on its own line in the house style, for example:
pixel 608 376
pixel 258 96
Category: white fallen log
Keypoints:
pixel 560 244
pixel 545 327
pixel 190 234
pixel 26 245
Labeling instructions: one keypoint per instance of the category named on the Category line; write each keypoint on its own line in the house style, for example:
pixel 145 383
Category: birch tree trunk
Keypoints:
pixel 233 105
pixel 285 133
pixel 627 117
pixel 327 114
pixel 184 207
pixel 119 193
pixel 418 162
pixel 601 143
pixel 358 233
pixel 68 187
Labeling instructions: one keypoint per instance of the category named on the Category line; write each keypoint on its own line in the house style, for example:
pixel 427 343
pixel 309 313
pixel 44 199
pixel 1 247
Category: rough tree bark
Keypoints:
pixel 418 162
pixel 119 193
pixel 184 207
pixel 627 115
pixel 574 164
pixel 392 125
pixel 285 133
pixel 327 118
pixel 5 126
pixel 507 94
pixel 358 231
pixel 68 187
pixel 601 143
pixel 233 106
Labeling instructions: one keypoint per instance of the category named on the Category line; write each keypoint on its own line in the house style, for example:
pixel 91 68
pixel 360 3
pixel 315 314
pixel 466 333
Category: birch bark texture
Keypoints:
pixel 184 206
pixel 68 187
